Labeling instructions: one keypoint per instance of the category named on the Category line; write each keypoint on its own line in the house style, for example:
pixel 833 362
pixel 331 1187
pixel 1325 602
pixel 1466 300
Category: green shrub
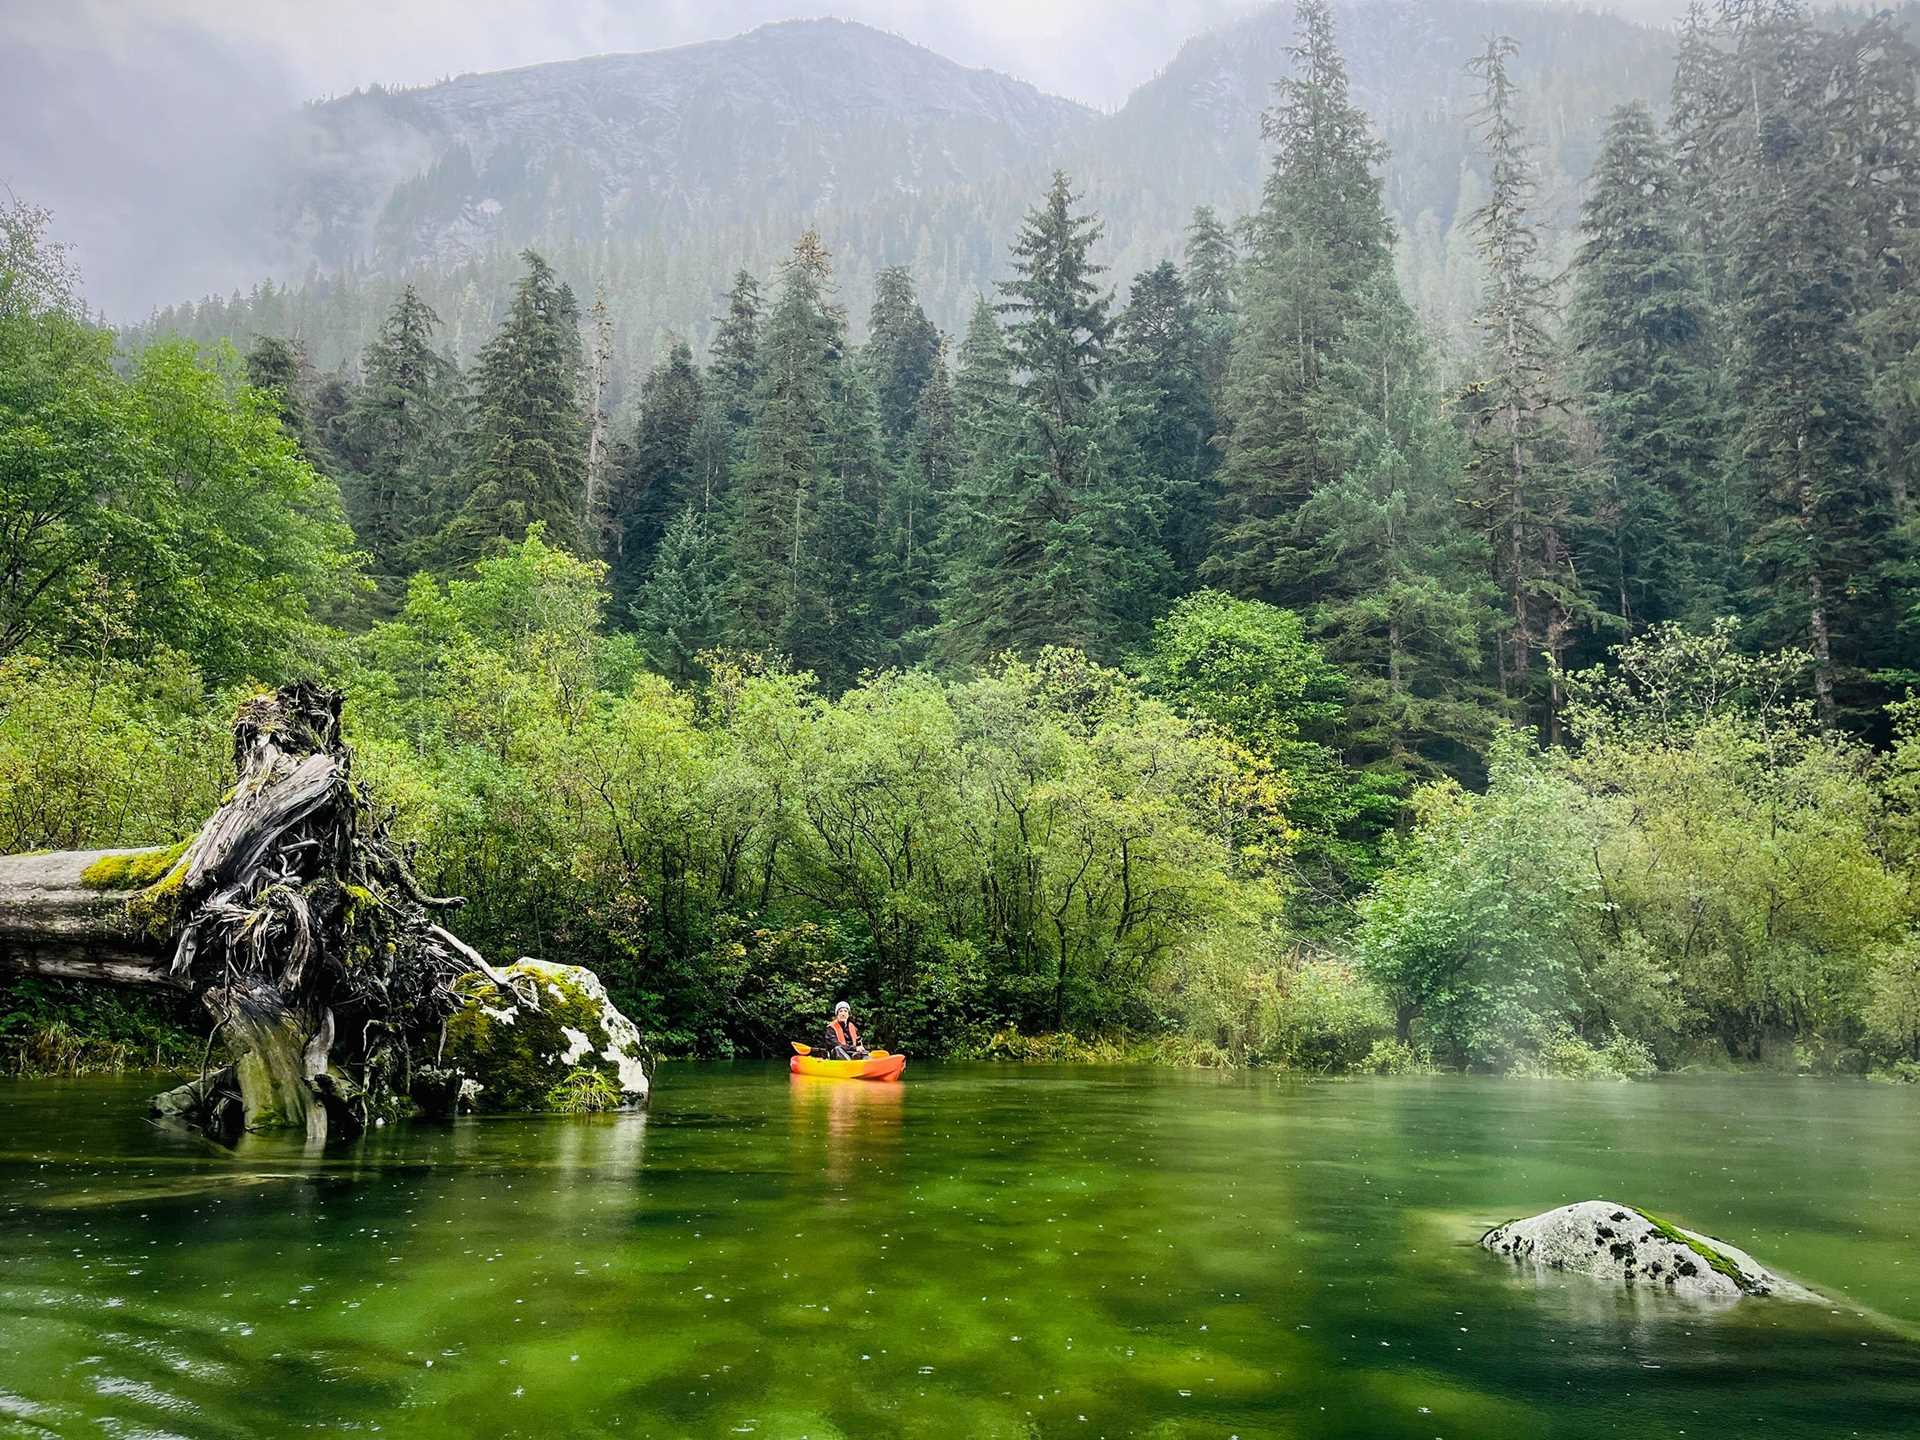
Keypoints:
pixel 1565 1056
pixel 1325 1017
pixel 1395 1057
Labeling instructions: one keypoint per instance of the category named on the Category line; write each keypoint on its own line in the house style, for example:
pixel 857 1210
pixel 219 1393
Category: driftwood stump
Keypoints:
pixel 291 914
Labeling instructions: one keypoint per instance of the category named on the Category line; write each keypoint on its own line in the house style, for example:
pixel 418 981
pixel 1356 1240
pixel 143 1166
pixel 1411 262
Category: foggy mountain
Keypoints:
pixel 782 122
pixel 656 176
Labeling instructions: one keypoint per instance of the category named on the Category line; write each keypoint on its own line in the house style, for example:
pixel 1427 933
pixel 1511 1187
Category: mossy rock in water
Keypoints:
pixel 556 1042
pixel 1622 1242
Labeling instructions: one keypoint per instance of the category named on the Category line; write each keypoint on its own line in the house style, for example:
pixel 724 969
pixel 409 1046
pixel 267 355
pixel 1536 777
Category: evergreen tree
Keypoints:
pixel 901 350
pixel 1701 103
pixel 1338 485
pixel 1406 608
pixel 1211 263
pixel 398 439
pixel 1160 372
pixel 775 529
pixel 528 450
pixel 659 475
pixel 986 425
pixel 1519 464
pixel 1322 240
pixel 678 613
pixel 280 366
pixel 908 552
pixel 1651 535
pixel 733 359
pixel 1212 279
pixel 983 388
pixel 1058 536
pixel 842 630
pixel 598 480
pixel 1800 370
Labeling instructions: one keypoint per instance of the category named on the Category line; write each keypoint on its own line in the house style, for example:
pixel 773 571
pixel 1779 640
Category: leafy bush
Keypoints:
pixel 1326 1016
pixel 1564 1055
pixel 1395 1057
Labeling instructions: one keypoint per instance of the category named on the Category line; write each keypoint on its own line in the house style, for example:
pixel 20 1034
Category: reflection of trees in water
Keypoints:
pixel 845 1125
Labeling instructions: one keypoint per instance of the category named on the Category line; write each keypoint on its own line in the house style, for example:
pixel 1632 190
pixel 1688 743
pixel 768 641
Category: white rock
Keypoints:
pixel 1618 1242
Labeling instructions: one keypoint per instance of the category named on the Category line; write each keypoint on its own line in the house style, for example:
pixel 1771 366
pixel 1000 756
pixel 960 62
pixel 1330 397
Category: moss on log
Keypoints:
pixel 291 913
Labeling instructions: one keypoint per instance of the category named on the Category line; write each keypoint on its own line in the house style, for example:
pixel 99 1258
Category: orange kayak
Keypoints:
pixel 879 1067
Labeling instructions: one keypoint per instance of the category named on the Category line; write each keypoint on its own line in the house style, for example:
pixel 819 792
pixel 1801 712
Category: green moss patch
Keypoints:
pixel 1714 1259
pixel 135 870
pixel 550 1058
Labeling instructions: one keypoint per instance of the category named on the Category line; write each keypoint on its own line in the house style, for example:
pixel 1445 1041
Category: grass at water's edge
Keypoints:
pixel 54 1028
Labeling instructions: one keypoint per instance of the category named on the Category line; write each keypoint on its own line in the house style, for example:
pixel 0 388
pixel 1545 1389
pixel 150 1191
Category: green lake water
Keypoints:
pixel 980 1251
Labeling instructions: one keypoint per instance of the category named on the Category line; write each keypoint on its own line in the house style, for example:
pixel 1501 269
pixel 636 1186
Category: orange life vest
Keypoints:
pixel 845 1033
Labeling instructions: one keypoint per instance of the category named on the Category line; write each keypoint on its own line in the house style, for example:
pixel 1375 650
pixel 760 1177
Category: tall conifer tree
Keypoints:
pixel 1800 369
pixel 1520 478
pixel 803 508
pixel 1651 540
pixel 1322 240
pixel 1337 493
pixel 1062 546
pixel 659 474
pixel 1160 373
pixel 900 354
pixel 527 457
pixel 397 437
pixel 1212 281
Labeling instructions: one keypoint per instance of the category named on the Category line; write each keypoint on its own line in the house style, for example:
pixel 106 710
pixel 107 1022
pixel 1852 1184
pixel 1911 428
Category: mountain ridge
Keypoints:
pixel 658 189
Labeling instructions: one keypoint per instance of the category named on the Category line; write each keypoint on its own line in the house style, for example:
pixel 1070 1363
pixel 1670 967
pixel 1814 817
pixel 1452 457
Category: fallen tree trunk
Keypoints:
pixel 54 922
pixel 294 917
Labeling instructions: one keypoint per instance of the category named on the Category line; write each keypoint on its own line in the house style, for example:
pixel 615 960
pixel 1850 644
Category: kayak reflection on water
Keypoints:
pixel 845 1130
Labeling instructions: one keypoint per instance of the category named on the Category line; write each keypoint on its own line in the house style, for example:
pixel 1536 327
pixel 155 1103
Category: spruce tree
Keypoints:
pixel 1322 239
pixel 659 474
pixel 1212 277
pixel 733 358
pixel 678 612
pixel 1520 479
pixel 901 350
pixel 280 367
pixel 841 630
pixel 1160 374
pixel 774 529
pixel 1800 370
pixel 908 551
pixel 398 439
pixel 1058 543
pixel 528 450
pixel 1338 487
pixel 1649 544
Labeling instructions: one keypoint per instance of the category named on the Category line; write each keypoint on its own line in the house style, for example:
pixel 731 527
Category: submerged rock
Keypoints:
pixel 556 1042
pixel 1620 1242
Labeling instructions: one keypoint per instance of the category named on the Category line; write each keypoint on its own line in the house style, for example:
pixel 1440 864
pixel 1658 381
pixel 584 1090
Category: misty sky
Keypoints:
pixel 121 115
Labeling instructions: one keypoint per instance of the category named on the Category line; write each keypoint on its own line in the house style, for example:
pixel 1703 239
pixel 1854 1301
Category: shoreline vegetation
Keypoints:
pixel 1201 670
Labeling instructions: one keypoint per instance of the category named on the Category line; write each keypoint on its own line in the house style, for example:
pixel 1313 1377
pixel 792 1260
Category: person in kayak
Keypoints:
pixel 843 1036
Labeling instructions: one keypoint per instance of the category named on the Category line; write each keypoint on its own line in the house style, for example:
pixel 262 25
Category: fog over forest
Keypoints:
pixel 132 122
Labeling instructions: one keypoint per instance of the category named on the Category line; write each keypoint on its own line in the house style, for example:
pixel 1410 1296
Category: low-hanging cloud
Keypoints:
pixel 135 122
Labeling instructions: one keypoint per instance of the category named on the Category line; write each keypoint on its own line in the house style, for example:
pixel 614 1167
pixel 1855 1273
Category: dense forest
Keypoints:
pixel 1195 661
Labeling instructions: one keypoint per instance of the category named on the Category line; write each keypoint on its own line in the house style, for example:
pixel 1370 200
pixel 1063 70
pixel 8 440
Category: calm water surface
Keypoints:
pixel 977 1252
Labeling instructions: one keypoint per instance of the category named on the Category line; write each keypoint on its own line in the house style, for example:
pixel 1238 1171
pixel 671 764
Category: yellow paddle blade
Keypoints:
pixel 800 1049
pixel 879 1054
